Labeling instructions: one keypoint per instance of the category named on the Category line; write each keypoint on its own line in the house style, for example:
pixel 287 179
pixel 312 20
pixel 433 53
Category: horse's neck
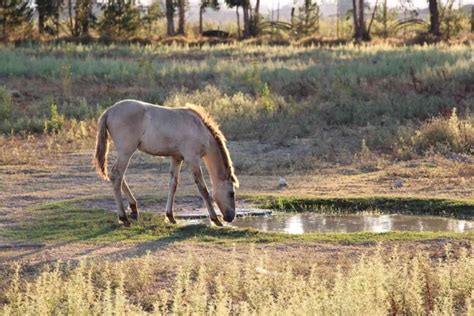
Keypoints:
pixel 215 163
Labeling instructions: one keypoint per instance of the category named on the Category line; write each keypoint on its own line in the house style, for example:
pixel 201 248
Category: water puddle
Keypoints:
pixel 310 222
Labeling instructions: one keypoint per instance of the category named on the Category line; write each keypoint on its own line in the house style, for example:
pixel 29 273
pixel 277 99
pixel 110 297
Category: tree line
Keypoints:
pixel 122 18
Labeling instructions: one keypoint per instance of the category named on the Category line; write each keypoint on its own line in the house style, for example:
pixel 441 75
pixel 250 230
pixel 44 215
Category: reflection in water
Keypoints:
pixel 309 222
pixel 294 225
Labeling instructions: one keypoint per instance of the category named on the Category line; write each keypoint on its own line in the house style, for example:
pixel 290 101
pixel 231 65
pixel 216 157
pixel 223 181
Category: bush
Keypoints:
pixel 443 135
pixel 439 135
pixel 5 103
pixel 56 120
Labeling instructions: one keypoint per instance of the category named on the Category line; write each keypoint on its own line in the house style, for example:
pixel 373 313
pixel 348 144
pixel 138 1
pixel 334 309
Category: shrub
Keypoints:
pixel 56 120
pixel 443 135
pixel 5 103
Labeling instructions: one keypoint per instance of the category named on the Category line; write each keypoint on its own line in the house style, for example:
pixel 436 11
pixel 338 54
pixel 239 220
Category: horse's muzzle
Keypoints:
pixel 229 216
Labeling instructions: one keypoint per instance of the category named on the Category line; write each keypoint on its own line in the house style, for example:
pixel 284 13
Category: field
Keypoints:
pixel 350 128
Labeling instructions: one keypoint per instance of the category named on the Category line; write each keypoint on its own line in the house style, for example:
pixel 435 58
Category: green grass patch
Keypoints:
pixel 69 221
pixel 457 208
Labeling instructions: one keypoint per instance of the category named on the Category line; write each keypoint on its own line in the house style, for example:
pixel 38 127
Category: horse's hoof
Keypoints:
pixel 217 222
pixel 125 221
pixel 134 212
pixel 171 219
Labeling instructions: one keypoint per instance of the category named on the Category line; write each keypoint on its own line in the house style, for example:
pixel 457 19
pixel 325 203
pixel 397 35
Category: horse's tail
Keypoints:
pixel 101 147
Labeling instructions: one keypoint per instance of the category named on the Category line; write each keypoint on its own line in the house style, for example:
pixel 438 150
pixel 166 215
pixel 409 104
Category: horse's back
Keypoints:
pixel 155 129
pixel 125 123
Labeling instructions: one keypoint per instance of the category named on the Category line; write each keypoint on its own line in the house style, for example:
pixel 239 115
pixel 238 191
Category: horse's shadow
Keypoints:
pixel 192 232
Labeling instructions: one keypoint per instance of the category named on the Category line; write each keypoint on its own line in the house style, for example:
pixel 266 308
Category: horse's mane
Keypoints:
pixel 213 127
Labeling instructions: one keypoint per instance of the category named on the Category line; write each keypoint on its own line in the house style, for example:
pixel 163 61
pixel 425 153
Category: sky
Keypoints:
pixel 269 4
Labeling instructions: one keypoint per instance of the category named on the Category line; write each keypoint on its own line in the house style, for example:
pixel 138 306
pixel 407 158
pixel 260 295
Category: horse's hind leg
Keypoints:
pixel 175 169
pixel 201 184
pixel 131 200
pixel 116 178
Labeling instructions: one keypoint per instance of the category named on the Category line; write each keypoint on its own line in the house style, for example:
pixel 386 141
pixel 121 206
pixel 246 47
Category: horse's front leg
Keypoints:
pixel 201 184
pixel 175 169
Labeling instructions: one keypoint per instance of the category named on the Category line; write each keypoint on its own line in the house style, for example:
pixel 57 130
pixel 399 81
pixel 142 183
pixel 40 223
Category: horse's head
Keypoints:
pixel 225 198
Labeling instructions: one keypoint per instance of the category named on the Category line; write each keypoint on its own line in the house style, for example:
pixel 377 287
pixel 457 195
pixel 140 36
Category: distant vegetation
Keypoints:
pixel 399 100
pixel 110 20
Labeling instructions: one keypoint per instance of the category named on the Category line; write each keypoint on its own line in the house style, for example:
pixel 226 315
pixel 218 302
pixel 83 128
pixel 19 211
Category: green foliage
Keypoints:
pixel 452 18
pixel 153 15
pixel 443 135
pixel 49 15
pixel 66 80
pixel 81 17
pixel 266 99
pixel 213 4
pixel 307 20
pixel 371 92
pixel 121 18
pixel 13 15
pixel 56 120
pixel 403 205
pixel 5 103
pixel 385 17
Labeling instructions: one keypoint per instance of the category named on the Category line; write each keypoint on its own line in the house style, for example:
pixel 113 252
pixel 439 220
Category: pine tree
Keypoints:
pixel 48 15
pixel 81 17
pixel 153 14
pixel 14 14
pixel 121 18
pixel 307 20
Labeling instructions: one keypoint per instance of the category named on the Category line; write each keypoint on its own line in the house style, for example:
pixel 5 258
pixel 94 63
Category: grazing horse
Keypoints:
pixel 186 134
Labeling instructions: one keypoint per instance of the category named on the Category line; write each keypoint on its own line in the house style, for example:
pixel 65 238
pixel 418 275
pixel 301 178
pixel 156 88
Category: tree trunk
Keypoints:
pixel 385 19
pixel 4 25
pixel 71 22
pixel 372 18
pixel 3 7
pixel 201 12
pixel 245 8
pixel 361 20
pixel 360 32
pixel 434 18
pixel 56 20
pixel 256 19
pixel 472 19
pixel 170 18
pixel 292 16
pixel 40 22
pixel 354 16
pixel 238 21
pixel 86 20
pixel 181 17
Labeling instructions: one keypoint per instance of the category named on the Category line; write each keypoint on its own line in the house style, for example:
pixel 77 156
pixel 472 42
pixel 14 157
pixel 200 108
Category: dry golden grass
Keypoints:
pixel 379 283
pixel 34 149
